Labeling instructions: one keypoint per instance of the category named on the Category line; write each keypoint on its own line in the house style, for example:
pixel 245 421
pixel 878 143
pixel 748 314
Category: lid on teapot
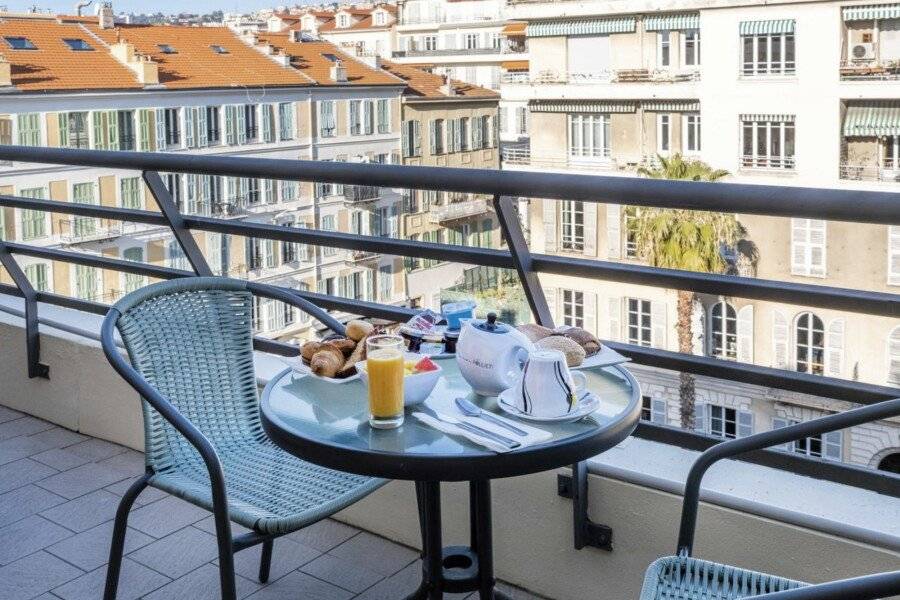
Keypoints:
pixel 491 325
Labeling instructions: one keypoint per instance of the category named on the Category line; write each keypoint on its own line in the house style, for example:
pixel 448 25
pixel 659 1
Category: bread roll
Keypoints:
pixel 535 332
pixel 583 338
pixel 358 354
pixel 574 353
pixel 308 349
pixel 357 330
pixel 327 361
pixel 346 346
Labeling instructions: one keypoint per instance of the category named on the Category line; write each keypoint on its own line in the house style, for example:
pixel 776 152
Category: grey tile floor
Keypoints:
pixel 58 495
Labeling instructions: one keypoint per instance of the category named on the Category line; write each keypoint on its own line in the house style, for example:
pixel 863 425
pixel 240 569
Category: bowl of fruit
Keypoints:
pixel 420 376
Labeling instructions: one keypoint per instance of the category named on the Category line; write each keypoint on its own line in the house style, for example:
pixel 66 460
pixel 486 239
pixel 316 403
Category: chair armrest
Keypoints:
pixel 868 587
pixel 284 295
pixel 766 439
pixel 165 408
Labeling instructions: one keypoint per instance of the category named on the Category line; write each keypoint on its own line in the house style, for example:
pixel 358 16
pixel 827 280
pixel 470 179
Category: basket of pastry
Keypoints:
pixel 581 347
pixel 334 358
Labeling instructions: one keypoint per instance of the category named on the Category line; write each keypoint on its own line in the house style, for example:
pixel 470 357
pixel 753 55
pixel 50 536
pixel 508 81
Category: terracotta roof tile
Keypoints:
pixel 309 59
pixel 428 85
pixel 194 64
pixel 54 66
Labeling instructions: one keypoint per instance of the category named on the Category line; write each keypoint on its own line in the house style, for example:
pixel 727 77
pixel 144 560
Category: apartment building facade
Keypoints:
pixel 447 123
pixel 198 91
pixel 765 91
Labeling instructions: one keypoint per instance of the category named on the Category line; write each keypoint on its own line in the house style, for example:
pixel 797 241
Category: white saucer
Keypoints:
pixel 588 404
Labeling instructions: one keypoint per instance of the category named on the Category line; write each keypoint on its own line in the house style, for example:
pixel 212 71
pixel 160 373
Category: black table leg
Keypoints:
pixel 456 569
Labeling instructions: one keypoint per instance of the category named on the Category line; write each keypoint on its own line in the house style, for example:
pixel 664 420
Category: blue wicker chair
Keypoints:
pixel 191 350
pixel 683 577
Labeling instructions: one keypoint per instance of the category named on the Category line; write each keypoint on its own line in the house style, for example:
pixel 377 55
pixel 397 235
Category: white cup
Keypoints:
pixel 546 387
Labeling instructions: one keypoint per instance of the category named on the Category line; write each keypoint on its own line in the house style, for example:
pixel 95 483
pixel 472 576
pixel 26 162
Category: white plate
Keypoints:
pixel 605 358
pixel 586 406
pixel 296 364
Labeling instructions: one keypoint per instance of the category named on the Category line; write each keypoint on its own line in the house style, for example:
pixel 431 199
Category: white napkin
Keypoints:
pixel 535 435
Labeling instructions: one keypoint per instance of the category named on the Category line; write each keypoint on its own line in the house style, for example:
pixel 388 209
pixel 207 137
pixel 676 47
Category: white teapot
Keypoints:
pixel 491 355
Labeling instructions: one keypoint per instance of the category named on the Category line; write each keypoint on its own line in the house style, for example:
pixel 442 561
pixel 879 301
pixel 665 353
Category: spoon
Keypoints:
pixel 470 409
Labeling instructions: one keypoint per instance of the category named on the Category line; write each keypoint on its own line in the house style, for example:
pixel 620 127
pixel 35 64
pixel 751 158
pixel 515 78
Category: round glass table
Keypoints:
pixel 327 424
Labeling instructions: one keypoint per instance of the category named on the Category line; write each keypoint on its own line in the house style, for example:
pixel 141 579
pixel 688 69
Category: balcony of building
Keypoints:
pixel 522 158
pixel 362 193
pixel 455 211
pixel 870 146
pixel 70 445
pixel 870 48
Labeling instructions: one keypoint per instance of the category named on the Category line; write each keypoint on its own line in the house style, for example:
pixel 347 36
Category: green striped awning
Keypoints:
pixel 773 118
pixel 767 27
pixel 583 106
pixel 871 11
pixel 580 27
pixel 672 22
pixel 671 105
pixel 873 119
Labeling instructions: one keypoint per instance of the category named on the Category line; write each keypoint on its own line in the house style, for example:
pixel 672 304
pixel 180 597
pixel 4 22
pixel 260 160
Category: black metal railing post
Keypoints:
pixel 511 227
pixel 32 337
pixel 182 234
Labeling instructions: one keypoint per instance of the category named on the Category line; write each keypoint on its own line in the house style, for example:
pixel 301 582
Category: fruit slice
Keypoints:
pixel 424 365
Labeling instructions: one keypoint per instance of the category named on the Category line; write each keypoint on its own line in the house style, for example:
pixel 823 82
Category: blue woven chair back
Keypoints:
pixel 192 340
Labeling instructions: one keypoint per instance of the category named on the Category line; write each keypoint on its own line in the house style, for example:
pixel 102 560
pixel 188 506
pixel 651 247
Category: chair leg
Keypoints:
pixel 117 545
pixel 226 553
pixel 265 561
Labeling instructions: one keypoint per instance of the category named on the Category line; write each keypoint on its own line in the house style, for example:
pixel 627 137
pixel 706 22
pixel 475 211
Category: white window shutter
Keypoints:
pixel 551 293
pixel 202 127
pixel 832 445
pixel 590 228
pixel 432 135
pixel 779 340
pixel 549 207
pixel 613 231
pixel 894 255
pixel 658 324
pixel 799 246
pixel 241 124
pixel 700 424
pixel 160 129
pixel 745 334
pixel 190 113
pixel 417 139
pixel 778 423
pixel 615 318
pixel 590 312
pixel 658 411
pixel 817 248
pixel 744 423
pixel 834 348
pixel 698 328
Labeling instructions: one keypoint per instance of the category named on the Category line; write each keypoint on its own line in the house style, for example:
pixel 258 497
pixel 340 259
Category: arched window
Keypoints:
pixel 890 463
pixel 723 331
pixel 809 344
pixel 894 357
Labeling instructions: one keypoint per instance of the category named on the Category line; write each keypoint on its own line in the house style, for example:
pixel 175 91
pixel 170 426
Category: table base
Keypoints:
pixel 456 569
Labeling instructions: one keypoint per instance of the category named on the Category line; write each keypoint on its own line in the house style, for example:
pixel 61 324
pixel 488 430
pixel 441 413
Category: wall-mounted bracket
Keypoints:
pixel 585 531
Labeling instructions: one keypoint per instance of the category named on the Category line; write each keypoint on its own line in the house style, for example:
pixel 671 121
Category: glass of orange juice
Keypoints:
pixel 384 365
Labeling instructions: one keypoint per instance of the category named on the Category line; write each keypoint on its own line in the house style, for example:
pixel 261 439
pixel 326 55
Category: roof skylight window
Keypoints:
pixel 20 43
pixel 166 49
pixel 77 44
pixel 331 57
pixel 219 49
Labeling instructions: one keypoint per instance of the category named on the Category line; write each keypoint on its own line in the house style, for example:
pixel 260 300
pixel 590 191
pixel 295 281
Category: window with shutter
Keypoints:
pixel 29 129
pixel 614 318
pixel 37 274
pixel 779 340
pixel 86 282
pixel 286 121
pixel 327 123
pixel 190 126
pixel 808 247
pixel 809 344
pixel 613 231
pixel 658 320
pixel 590 228
pixel 723 331
pixel 723 421
pixel 161 129
pixel 700 419
pixel 572 308
pixel 744 423
pixel 549 208
pixel 894 255
pixel 551 293
pixel 834 348
pixel 241 123
pixel 145 130
pixel 131 281
pixel 384 116
pixel 745 334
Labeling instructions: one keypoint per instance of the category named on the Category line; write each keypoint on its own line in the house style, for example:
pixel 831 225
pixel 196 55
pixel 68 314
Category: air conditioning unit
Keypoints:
pixel 863 51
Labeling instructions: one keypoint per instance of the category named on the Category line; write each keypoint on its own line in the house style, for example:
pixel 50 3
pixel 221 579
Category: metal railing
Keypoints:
pixel 459 210
pixel 551 77
pixel 855 172
pixel 505 187
pixel 444 52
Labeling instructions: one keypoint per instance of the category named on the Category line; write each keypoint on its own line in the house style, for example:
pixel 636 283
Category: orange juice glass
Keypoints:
pixel 384 364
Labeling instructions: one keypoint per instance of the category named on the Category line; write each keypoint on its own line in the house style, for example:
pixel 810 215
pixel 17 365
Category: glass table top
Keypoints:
pixel 311 409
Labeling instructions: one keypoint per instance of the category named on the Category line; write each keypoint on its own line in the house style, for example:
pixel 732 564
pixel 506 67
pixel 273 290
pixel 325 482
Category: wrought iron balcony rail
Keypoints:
pixel 879 207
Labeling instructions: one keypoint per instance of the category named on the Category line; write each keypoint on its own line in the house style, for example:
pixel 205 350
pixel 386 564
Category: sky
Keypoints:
pixel 139 6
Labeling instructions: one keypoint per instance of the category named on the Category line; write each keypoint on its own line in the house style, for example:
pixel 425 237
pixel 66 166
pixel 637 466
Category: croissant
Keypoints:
pixel 344 345
pixel 327 361
pixel 358 354
pixel 308 349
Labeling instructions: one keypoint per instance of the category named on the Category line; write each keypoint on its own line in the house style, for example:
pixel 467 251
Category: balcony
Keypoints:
pixel 459 210
pixel 362 193
pixel 446 52
pixel 520 156
pixel 870 70
pixel 888 172
pixel 549 77
pixel 68 446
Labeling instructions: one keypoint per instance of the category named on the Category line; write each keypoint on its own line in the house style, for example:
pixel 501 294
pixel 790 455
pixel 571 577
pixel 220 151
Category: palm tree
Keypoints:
pixel 685 239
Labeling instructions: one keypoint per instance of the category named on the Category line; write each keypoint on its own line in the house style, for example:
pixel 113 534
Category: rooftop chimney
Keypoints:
pixel 105 16
pixel 338 72
pixel 447 89
pixel 82 4
pixel 146 70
